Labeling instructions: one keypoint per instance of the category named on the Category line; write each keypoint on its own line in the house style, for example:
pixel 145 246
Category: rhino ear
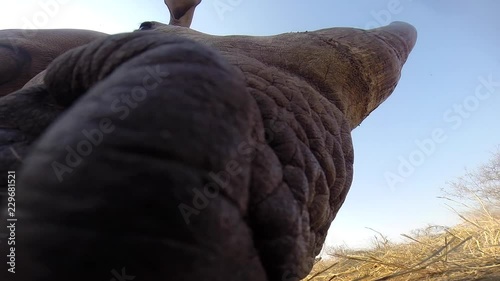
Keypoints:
pixel 181 11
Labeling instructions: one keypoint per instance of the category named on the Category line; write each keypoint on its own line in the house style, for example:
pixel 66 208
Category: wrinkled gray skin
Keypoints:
pixel 25 53
pixel 175 155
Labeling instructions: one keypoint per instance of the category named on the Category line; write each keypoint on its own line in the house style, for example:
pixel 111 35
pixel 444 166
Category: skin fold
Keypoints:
pixel 170 154
pixel 24 53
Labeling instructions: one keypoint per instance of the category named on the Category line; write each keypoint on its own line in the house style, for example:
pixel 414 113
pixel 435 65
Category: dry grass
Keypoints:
pixel 468 251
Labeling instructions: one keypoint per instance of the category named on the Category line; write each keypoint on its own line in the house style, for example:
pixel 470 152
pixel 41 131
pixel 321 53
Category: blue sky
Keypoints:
pixel 457 48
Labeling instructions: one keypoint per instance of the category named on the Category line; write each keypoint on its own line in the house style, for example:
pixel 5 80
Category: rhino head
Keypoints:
pixel 170 154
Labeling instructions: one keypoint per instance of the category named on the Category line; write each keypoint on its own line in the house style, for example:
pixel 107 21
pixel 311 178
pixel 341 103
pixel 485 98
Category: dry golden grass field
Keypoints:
pixel 467 251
